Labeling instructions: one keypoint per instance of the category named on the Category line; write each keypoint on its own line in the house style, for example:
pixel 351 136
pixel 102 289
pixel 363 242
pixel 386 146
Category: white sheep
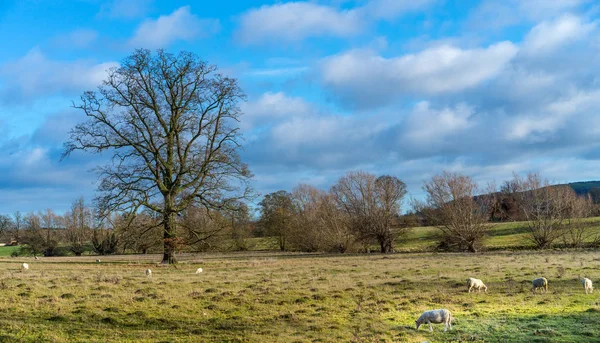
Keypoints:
pixel 476 284
pixel 24 266
pixel 148 273
pixel 35 257
pixel 587 285
pixel 199 270
pixel 441 316
pixel 97 260
pixel 540 283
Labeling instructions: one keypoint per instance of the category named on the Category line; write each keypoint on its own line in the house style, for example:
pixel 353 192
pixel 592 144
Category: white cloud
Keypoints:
pixel 34 74
pixel 538 9
pixel 362 76
pixel 298 20
pixel 532 128
pixel 166 29
pixel 427 125
pixel 294 21
pixel 272 107
pixel 555 116
pixel 498 14
pixel 550 35
pixel 287 129
pixel 33 157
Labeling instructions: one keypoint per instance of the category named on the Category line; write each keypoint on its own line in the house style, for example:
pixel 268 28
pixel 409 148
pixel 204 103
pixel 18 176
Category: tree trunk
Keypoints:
pixel 472 247
pixel 282 243
pixel 385 242
pixel 170 234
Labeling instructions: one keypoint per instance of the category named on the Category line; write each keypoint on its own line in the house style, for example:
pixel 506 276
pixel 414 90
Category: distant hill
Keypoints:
pixel 584 187
pixel 581 188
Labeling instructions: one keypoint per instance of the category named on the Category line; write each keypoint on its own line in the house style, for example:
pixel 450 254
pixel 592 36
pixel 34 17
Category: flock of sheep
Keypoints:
pixel 443 316
pixel 440 316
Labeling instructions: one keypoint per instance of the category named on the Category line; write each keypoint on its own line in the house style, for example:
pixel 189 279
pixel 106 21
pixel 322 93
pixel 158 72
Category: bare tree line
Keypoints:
pixel 359 210
pixel 550 213
pixel 362 209
pixel 81 230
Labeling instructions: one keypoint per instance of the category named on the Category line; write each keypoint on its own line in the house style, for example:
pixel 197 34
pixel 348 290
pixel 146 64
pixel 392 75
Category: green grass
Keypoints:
pixel 509 236
pixel 292 297
pixel 7 250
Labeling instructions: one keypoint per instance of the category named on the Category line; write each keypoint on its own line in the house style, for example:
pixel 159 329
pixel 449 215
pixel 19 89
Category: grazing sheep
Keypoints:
pixel 199 270
pixel 148 273
pixel 540 283
pixel 98 261
pixel 587 285
pixel 441 316
pixel 24 266
pixel 35 257
pixel 476 284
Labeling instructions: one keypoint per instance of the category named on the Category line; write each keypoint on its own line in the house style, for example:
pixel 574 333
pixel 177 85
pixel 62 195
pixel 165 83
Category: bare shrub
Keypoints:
pixel 544 206
pixel 451 206
pixel 372 205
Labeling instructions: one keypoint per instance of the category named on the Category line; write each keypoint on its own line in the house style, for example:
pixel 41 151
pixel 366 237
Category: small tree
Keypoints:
pixel 372 204
pixel 335 223
pixel 544 206
pixel 78 226
pixel 203 229
pixel 276 211
pixel 18 223
pixel 578 231
pixel 139 232
pixel 33 237
pixel 451 206
pixel 51 224
pixel 6 225
pixel 306 228
pixel 239 219
pixel 104 242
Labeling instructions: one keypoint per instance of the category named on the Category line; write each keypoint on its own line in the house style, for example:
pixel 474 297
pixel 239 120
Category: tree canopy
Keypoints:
pixel 170 123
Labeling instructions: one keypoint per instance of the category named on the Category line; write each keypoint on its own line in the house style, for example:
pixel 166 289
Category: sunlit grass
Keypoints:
pixel 7 250
pixel 509 236
pixel 271 297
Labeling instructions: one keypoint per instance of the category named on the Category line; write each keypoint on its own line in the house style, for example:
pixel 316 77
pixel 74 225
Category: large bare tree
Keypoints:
pixel 170 122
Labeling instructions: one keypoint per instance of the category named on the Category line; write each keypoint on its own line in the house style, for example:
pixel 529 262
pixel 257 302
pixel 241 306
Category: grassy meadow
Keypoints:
pixel 501 236
pixel 277 297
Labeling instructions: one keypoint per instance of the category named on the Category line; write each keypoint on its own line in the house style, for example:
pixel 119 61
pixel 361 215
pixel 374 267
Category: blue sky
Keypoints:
pixel 406 88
